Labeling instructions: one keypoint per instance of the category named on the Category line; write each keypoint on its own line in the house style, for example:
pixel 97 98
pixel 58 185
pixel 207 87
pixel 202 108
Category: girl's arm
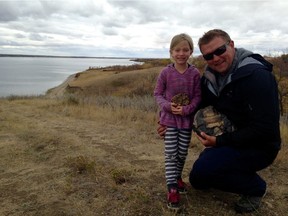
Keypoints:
pixel 159 93
pixel 196 98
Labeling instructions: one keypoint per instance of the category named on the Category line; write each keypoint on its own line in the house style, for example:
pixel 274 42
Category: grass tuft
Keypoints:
pixel 81 165
pixel 120 176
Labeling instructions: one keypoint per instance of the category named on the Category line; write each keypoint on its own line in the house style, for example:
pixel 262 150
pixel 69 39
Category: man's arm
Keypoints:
pixel 161 130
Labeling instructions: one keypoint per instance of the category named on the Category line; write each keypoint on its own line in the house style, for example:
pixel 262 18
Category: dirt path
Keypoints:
pixel 55 163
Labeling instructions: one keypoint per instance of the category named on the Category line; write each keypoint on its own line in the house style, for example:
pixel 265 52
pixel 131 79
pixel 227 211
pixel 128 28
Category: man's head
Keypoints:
pixel 217 49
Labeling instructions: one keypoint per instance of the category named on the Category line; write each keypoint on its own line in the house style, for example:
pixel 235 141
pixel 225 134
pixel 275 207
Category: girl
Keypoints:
pixel 177 80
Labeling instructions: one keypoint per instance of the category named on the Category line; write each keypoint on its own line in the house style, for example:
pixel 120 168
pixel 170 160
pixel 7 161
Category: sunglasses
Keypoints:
pixel 219 51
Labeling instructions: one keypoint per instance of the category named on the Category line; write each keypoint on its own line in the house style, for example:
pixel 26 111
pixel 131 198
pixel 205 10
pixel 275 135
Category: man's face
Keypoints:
pixel 219 54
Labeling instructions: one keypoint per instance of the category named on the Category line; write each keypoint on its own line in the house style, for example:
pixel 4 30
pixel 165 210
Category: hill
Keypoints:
pixel 90 148
pixel 115 82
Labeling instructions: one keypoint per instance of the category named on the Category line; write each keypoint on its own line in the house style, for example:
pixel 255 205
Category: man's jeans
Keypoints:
pixel 231 170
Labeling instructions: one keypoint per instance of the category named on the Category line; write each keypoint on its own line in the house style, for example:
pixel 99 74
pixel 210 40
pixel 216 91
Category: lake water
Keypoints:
pixel 35 75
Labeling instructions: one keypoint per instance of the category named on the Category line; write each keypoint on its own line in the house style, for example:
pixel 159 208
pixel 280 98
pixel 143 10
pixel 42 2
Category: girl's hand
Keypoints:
pixel 207 140
pixel 176 109
pixel 173 105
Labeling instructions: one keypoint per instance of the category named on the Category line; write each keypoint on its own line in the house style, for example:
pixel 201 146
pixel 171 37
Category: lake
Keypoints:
pixel 27 76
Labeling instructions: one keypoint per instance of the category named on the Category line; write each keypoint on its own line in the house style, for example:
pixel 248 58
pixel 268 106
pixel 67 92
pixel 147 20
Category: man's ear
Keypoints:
pixel 231 43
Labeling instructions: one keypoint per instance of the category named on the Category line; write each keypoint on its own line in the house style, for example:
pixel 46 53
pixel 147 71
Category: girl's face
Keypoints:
pixel 181 52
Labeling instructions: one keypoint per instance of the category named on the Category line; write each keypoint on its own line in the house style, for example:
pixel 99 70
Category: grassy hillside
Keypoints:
pixel 139 81
pixel 90 148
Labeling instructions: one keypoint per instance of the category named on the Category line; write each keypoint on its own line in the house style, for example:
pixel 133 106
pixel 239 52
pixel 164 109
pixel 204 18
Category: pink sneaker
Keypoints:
pixel 173 199
pixel 182 186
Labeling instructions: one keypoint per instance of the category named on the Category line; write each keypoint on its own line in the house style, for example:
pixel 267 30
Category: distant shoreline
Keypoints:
pixel 51 56
pixel 24 75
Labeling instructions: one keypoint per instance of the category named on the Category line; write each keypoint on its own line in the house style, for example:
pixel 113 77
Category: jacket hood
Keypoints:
pixel 242 58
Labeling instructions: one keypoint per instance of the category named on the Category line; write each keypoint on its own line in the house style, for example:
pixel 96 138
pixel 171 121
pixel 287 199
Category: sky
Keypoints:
pixel 137 28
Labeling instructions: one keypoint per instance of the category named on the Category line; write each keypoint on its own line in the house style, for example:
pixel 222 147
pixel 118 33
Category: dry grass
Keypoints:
pixel 99 154
pixel 59 158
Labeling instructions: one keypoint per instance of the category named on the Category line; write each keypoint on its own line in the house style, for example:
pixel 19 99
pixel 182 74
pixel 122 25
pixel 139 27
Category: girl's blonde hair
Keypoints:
pixel 180 37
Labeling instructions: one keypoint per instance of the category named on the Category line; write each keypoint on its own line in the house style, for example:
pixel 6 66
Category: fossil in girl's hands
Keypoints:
pixel 181 99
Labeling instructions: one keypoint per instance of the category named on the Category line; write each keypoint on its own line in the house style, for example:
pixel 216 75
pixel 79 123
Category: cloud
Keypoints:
pixel 136 28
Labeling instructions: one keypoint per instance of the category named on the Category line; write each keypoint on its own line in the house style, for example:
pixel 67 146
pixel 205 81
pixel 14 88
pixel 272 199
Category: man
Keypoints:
pixel 240 85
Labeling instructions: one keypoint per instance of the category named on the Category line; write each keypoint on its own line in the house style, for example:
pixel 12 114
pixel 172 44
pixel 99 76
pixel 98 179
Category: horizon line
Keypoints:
pixel 59 56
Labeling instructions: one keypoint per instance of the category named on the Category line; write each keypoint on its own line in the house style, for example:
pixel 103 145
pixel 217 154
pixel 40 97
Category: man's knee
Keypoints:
pixel 199 177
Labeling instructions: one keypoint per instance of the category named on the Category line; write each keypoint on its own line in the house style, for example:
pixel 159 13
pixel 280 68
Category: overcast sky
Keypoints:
pixel 137 28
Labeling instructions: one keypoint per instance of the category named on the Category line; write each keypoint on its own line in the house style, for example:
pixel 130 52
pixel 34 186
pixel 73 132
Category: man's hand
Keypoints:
pixel 207 140
pixel 161 130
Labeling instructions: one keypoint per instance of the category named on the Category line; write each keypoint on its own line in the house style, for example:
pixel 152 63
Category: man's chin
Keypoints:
pixel 222 69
